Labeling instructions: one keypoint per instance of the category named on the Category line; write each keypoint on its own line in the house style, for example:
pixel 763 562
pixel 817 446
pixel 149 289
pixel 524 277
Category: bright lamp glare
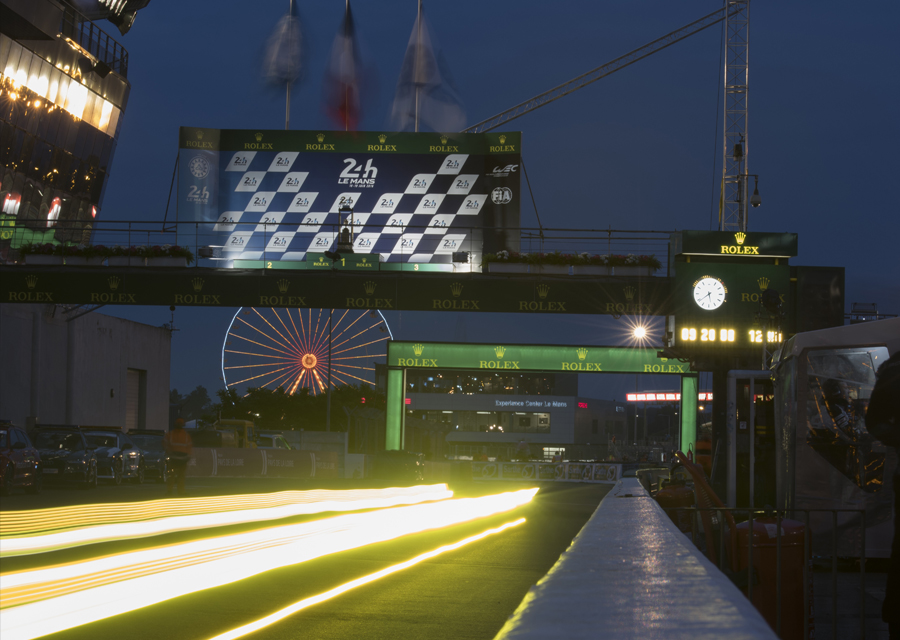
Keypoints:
pixel 44 601
pixel 640 333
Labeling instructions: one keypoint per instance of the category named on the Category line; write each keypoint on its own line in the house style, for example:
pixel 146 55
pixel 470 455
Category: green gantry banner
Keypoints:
pixel 580 359
pixel 740 243
pixel 335 289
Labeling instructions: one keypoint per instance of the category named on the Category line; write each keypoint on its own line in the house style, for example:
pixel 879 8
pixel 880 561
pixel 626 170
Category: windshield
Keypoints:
pixel 101 439
pixel 57 440
pixel 4 439
pixel 149 443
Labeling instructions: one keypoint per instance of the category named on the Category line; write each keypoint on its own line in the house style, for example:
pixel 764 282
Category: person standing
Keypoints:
pixel 883 422
pixel 179 447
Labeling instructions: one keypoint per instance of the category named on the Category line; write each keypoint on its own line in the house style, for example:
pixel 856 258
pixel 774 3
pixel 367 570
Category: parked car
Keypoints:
pixel 118 458
pixel 272 441
pixel 66 455
pixel 156 460
pixel 20 462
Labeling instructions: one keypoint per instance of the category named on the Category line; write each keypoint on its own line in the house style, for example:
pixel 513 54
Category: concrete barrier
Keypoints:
pixel 630 573
pixel 229 462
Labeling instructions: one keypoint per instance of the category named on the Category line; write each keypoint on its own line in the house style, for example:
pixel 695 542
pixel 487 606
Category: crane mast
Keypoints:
pixel 735 172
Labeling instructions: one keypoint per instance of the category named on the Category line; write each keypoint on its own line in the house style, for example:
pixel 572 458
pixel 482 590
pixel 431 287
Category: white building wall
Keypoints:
pixel 60 372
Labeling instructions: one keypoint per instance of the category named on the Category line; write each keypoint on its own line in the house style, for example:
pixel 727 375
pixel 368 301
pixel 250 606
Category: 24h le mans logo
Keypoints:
pixel 199 167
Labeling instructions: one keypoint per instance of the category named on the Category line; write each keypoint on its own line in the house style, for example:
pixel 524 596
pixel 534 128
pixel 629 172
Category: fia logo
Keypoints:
pixel 419 183
pixel 387 202
pixel 250 181
pixel 471 204
pixel 260 201
pixel 452 164
pixel 302 202
pixel 429 204
pixel 462 184
pixel 280 241
pixel 501 195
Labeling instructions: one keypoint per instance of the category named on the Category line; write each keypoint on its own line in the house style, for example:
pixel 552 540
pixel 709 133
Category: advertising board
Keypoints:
pixel 403 197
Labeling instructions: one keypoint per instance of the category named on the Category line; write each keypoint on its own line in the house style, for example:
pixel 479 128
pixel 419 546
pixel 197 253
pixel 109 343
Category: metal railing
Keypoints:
pixel 727 552
pixel 196 235
pixel 94 40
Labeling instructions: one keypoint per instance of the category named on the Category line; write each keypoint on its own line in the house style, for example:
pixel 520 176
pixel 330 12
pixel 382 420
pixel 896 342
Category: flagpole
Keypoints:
pixel 346 86
pixel 287 99
pixel 418 55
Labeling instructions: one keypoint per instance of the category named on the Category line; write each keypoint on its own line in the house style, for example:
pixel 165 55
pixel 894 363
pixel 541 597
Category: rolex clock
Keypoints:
pixel 709 293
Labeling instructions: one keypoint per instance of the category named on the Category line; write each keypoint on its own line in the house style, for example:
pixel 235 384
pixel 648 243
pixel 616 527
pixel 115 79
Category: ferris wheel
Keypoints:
pixel 289 348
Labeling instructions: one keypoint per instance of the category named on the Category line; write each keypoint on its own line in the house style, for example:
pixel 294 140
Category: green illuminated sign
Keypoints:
pixel 740 243
pixel 518 357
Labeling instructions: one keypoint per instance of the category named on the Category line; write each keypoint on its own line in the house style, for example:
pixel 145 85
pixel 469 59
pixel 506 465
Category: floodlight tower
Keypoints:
pixel 735 172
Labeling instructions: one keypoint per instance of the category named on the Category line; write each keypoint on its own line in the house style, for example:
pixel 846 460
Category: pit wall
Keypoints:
pixel 631 574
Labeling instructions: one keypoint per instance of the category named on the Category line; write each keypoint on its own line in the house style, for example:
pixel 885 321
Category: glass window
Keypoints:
pixel 4 439
pixel 101 440
pixel 839 385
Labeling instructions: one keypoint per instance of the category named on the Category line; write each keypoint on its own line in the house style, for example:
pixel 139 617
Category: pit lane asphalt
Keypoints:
pixel 466 593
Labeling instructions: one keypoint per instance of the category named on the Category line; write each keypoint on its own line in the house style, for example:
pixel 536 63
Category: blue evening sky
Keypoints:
pixel 640 149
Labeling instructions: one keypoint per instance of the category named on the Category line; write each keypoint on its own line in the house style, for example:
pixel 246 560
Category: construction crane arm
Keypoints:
pixel 600 72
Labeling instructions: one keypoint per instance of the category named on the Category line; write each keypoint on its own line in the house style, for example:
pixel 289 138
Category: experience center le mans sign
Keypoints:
pixel 521 357
pixel 338 290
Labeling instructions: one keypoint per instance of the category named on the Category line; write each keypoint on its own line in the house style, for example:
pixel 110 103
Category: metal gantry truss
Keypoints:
pixel 604 70
pixel 733 214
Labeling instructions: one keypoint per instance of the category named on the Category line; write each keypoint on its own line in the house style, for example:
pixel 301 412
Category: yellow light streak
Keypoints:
pixel 36 531
pixel 212 562
pixel 372 577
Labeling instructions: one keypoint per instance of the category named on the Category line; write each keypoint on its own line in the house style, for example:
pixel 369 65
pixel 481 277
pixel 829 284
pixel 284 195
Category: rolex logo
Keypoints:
pixel 283 285
pixel 370 287
pixel 740 236
pixel 443 139
pixel 114 282
pixel 763 284
pixel 502 139
pixel 543 290
pixel 499 351
pixel 382 138
pixel 258 137
pixel 31 281
pixel 629 293
pixel 197 283
pixel 418 349
pixel 199 135
pixel 320 137
pixel 582 353
pixel 456 288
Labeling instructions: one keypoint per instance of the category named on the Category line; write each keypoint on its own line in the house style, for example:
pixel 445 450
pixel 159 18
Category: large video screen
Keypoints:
pixel 407 197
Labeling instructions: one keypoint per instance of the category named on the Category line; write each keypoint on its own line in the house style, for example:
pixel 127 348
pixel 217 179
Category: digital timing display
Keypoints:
pixel 725 336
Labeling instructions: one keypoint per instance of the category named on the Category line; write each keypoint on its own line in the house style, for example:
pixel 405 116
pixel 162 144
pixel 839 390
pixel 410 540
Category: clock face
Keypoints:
pixel 709 293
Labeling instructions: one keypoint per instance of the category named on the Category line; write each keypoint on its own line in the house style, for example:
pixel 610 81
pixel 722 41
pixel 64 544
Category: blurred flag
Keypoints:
pixel 426 94
pixel 342 78
pixel 284 51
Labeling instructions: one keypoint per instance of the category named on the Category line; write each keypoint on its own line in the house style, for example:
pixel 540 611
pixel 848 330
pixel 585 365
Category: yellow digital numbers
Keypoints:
pixel 756 336
pixel 707 334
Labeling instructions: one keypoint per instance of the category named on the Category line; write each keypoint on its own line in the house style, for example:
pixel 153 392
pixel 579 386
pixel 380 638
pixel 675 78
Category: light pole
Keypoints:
pixel 328 388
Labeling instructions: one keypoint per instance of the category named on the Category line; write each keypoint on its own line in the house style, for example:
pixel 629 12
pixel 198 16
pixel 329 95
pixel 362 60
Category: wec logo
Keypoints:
pixel 505 171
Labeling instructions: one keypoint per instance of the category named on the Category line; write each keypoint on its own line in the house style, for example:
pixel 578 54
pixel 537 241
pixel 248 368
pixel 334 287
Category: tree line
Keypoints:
pixel 275 409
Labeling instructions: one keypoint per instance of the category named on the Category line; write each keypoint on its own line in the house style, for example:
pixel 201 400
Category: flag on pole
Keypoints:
pixel 342 78
pixel 284 51
pixel 426 94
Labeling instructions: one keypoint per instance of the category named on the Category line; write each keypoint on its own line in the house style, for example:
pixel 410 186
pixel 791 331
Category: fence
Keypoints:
pixel 715 530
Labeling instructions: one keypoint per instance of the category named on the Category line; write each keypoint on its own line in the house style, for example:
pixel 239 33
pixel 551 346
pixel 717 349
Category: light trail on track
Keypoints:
pixel 37 531
pixel 48 600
